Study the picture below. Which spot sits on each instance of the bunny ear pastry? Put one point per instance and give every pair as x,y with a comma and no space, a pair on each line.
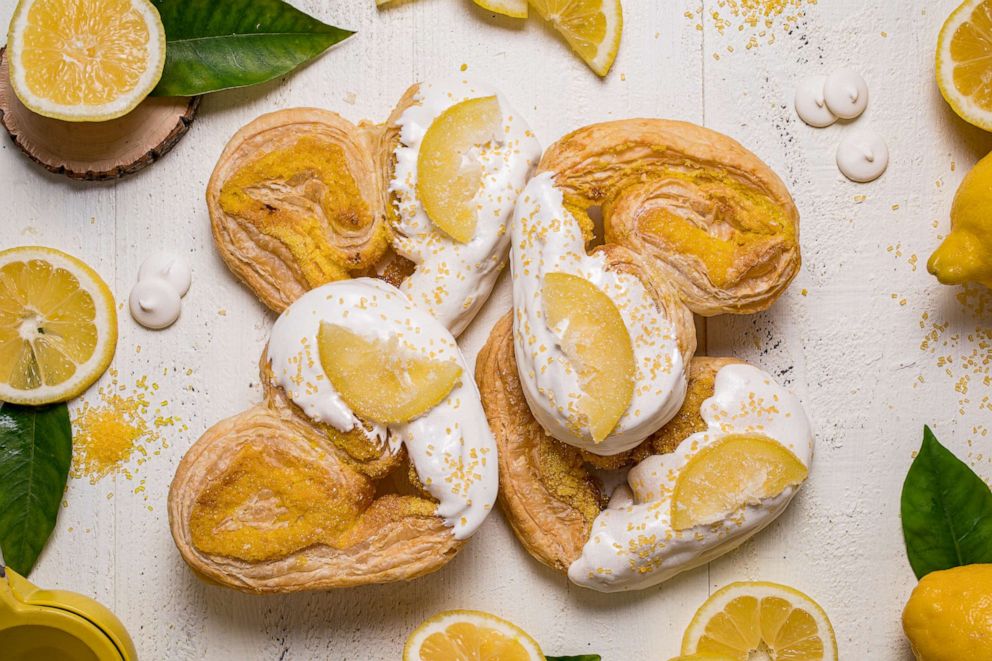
560,511
263,504
302,197
369,460
708,213
296,201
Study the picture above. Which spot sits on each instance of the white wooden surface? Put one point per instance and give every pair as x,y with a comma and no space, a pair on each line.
850,345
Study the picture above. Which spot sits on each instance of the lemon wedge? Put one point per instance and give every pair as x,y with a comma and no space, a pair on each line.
464,635
512,8
85,60
735,471
595,339
591,27
964,62
449,176
751,620
58,326
380,380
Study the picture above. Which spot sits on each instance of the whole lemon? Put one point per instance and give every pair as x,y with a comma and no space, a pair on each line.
949,615
966,253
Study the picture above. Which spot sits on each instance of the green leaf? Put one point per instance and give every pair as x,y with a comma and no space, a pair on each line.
35,453
219,44
580,657
946,511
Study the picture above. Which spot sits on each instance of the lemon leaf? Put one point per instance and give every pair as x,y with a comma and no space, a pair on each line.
580,657
946,511
212,45
35,453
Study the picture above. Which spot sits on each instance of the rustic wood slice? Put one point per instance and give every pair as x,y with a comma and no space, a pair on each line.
96,151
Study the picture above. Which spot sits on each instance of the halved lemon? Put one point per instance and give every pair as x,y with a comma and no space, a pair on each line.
381,380
591,27
513,8
736,470
596,341
750,620
449,172
964,62
58,326
464,635
85,60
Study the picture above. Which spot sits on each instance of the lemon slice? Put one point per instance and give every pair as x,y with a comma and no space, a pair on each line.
449,176
751,620
595,339
964,62
85,60
513,8
380,380
591,27
737,470
464,635
58,326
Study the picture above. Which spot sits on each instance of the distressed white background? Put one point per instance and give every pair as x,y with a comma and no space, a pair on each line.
850,345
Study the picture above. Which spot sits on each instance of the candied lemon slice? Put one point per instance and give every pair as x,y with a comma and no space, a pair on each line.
735,471
449,174
591,27
751,620
595,339
512,8
464,635
58,326
85,60
380,380
964,62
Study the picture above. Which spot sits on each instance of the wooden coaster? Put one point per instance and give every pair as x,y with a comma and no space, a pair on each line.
96,151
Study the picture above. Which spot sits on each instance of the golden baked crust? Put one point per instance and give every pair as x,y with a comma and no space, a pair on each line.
548,491
300,197
709,214
376,523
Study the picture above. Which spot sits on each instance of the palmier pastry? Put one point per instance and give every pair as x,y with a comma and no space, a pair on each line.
303,197
602,344
370,459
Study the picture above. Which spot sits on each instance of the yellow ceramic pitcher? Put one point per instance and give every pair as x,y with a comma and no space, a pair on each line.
57,626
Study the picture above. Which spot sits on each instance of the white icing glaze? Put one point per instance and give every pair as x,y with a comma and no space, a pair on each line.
163,279
546,238
451,446
632,544
862,156
452,280
170,267
810,104
845,93
154,303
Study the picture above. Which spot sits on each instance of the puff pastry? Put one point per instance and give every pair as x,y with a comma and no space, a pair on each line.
302,197
708,213
559,509
299,493
692,222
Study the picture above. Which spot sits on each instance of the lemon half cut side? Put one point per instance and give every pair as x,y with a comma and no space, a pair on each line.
85,60
58,326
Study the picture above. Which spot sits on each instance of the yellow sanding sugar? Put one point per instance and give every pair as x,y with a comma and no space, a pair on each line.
963,349
757,18
124,425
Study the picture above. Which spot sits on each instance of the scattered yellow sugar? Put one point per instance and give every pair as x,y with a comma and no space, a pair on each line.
758,20
464,67
121,426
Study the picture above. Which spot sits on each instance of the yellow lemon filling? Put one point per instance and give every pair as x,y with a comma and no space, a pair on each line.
268,504
299,196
